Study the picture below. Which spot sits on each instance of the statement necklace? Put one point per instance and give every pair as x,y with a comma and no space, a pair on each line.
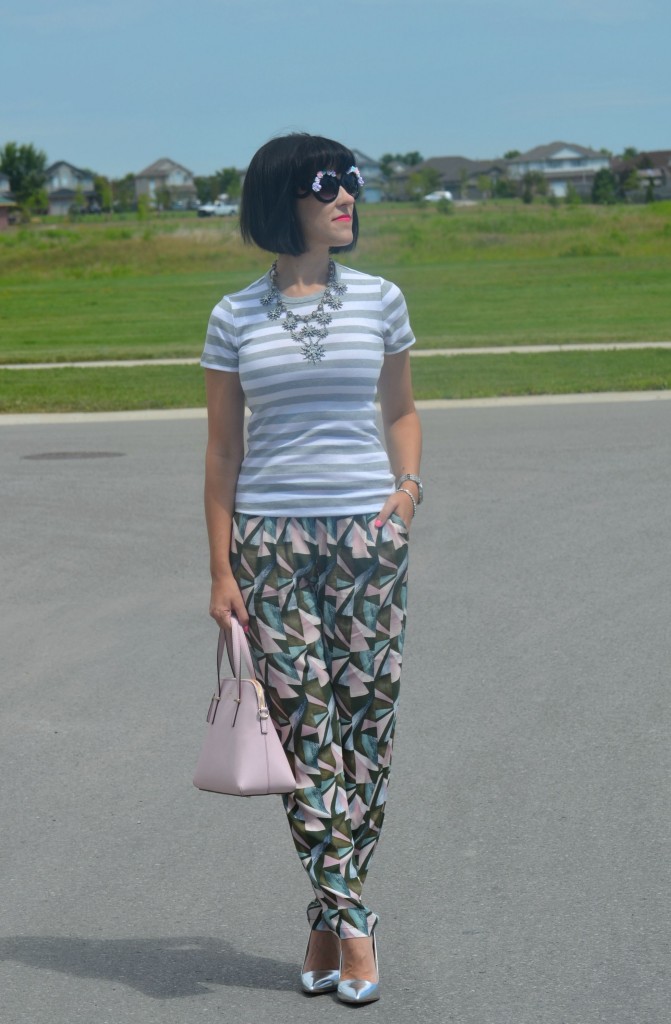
307,331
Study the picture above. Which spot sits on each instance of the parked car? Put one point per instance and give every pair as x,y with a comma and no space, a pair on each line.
217,209
435,197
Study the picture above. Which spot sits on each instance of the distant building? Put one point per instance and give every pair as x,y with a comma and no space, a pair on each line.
371,172
460,175
66,184
7,209
561,164
651,167
166,175
5,190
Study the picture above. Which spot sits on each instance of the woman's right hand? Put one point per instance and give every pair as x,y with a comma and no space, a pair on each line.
226,600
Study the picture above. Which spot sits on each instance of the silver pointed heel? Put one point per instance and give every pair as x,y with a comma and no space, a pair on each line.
314,983
357,991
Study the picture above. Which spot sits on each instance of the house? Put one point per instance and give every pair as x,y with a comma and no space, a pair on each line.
462,176
66,185
652,167
371,172
7,210
166,181
561,164
458,174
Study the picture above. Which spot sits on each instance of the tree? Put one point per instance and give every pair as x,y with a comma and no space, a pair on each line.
630,182
25,167
103,188
484,184
388,160
205,188
505,188
423,181
123,190
142,207
228,182
163,197
533,184
511,154
387,165
572,197
78,206
604,187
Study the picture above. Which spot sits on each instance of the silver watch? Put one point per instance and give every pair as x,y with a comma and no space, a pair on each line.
415,480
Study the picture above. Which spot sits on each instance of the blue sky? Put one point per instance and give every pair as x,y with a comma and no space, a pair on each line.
113,86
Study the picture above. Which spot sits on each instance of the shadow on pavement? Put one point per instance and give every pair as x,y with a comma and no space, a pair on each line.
168,968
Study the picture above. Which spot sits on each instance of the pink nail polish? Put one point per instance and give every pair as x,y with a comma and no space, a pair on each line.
378,523
245,629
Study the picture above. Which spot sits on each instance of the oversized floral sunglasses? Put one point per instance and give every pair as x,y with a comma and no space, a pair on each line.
327,184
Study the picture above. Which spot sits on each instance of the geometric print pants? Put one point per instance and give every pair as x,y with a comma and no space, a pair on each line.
326,598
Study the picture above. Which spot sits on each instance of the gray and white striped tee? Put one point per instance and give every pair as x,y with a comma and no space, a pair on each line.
313,447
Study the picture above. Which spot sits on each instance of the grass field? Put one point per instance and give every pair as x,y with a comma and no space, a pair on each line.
495,274
66,389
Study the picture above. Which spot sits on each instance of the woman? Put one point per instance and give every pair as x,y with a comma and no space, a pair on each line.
309,530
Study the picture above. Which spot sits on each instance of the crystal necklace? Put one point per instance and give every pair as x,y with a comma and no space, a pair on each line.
307,331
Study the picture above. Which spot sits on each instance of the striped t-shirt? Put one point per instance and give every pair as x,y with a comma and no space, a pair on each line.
313,447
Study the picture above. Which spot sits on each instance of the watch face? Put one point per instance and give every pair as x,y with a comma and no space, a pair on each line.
415,480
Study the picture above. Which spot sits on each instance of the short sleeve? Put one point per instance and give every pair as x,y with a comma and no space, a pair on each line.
221,343
397,331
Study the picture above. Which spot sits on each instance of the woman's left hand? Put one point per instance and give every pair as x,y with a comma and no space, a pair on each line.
400,503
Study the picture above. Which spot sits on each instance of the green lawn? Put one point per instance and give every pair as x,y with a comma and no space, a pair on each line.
496,274
169,387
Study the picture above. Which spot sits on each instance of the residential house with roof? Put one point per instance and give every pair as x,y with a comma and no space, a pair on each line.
561,164
7,210
458,174
371,172
66,185
652,167
166,176
462,176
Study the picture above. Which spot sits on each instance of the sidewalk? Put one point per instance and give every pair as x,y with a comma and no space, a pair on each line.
616,346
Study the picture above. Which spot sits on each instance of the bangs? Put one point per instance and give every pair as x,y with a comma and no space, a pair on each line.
319,154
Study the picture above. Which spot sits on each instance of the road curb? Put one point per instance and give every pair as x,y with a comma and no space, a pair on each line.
455,404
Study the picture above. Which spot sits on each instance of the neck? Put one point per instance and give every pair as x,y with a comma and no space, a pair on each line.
304,274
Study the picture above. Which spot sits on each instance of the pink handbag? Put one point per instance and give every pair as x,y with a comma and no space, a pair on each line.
241,754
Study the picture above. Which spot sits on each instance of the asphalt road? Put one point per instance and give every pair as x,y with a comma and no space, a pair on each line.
523,877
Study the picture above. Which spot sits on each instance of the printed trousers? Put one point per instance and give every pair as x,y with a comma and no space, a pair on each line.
326,598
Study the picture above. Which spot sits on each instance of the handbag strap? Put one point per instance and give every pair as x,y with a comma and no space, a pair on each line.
239,654
237,649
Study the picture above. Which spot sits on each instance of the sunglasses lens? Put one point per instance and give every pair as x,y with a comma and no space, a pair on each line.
329,188
350,183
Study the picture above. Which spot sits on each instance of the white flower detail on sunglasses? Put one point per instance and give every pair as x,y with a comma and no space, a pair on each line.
317,183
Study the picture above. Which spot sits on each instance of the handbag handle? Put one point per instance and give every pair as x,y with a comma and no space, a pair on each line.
237,649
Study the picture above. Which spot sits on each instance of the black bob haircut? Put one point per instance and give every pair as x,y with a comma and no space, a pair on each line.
279,175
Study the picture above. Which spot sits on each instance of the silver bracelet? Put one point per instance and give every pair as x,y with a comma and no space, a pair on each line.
412,499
